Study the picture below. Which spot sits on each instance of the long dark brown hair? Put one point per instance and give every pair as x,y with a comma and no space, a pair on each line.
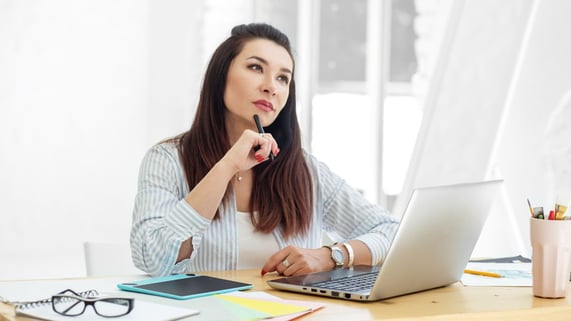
282,191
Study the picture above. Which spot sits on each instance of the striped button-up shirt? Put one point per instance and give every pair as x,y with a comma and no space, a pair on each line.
162,219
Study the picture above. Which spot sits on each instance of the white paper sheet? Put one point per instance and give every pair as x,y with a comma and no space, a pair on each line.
513,274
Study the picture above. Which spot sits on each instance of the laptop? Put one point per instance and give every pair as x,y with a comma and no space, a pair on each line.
434,241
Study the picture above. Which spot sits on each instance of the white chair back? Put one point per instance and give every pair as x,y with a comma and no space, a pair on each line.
108,259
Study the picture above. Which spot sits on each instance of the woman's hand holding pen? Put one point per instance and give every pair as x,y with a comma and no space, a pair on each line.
250,149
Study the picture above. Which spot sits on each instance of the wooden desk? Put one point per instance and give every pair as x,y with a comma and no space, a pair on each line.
498,303
474,303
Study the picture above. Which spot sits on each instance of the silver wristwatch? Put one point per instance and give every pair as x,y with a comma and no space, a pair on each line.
336,255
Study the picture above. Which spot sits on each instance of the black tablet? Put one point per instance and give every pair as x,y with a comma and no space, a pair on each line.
184,286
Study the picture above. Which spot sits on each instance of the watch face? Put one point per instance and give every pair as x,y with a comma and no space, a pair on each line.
337,256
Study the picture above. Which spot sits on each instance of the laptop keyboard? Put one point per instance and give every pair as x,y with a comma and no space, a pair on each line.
355,283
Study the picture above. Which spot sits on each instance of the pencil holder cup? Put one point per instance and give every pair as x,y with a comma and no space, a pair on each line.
551,257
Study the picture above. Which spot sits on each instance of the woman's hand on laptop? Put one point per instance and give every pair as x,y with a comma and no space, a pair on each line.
295,261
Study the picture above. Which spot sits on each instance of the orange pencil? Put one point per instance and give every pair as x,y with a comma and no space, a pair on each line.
483,273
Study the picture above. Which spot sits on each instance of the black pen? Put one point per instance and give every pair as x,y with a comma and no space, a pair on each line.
261,131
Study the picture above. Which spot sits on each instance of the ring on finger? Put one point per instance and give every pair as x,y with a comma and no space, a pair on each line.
286,263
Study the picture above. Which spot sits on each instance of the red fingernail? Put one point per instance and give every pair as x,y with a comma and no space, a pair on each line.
263,273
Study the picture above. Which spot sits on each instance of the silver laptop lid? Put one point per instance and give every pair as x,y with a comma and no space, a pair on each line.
437,234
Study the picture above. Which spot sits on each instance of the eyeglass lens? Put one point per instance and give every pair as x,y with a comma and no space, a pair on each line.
105,307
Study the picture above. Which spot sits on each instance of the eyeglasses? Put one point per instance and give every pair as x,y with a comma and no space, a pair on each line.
70,303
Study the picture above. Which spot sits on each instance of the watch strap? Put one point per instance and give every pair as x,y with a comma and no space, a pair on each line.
350,252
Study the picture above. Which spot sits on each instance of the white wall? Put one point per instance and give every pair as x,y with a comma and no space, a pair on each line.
71,120
174,65
541,81
85,88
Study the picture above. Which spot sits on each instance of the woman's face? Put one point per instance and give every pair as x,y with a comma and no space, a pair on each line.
257,83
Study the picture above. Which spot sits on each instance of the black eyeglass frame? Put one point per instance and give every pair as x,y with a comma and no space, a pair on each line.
72,295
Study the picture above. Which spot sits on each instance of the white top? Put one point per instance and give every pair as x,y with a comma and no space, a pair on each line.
254,248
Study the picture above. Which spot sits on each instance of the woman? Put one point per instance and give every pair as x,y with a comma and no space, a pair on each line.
212,198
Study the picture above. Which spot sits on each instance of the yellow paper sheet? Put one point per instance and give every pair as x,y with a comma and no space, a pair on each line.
272,308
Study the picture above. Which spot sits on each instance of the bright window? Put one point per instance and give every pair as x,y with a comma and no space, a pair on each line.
341,123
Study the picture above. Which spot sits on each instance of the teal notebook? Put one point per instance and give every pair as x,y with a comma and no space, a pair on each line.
184,286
